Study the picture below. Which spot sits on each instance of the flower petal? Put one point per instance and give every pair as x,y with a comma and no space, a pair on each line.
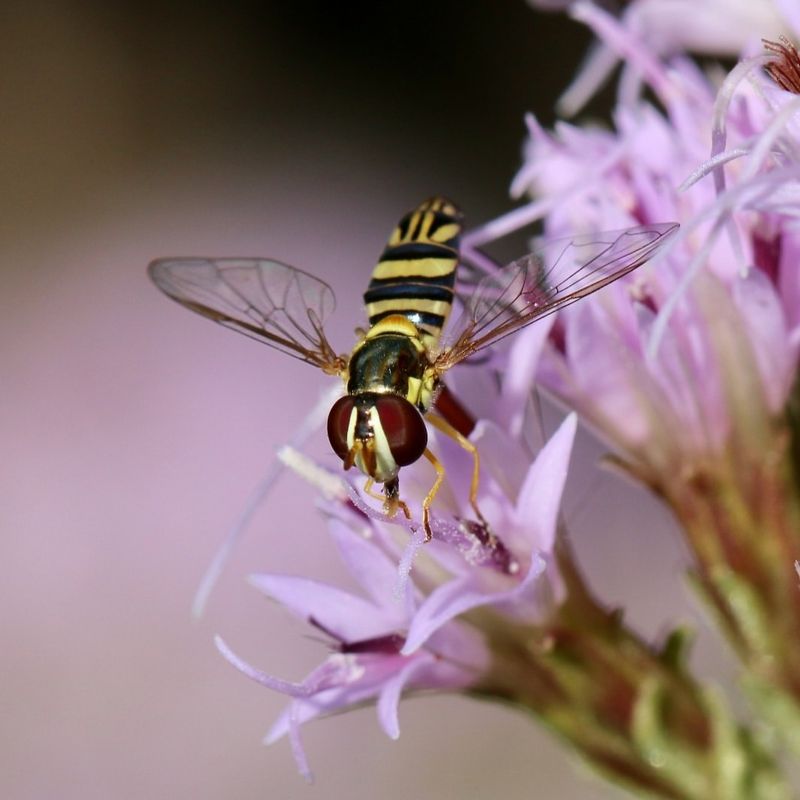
523,359
463,594
443,604
763,316
367,563
791,13
540,497
391,692
336,670
344,615
502,457
298,751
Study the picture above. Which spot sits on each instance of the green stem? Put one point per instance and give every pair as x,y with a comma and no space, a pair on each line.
634,712
741,518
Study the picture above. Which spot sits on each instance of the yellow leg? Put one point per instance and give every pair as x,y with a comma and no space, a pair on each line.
390,502
426,503
368,490
446,428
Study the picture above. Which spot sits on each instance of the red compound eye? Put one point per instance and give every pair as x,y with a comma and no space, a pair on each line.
403,427
338,423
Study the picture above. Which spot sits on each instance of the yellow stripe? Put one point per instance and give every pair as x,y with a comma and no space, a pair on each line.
446,232
424,267
447,208
396,323
404,305
424,234
440,204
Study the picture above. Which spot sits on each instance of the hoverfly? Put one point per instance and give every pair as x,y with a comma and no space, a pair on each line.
393,373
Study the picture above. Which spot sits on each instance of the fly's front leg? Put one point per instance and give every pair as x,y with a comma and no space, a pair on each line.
391,499
446,428
370,482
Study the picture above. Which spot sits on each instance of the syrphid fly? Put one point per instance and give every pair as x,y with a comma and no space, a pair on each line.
392,375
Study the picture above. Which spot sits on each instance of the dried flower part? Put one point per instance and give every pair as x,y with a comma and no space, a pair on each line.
785,70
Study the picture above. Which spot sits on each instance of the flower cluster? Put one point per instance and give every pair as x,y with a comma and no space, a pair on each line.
402,635
679,371
687,368
718,27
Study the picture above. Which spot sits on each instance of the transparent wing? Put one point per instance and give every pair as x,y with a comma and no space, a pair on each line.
266,300
541,283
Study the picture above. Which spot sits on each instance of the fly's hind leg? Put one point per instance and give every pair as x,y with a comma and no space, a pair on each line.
446,428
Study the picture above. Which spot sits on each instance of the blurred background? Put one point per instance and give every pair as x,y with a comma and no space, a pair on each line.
133,432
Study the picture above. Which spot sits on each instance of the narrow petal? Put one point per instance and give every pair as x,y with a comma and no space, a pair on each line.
442,605
540,498
297,745
362,685
329,673
592,74
285,687
601,377
461,595
390,695
522,364
760,307
502,457
623,44
343,614
367,563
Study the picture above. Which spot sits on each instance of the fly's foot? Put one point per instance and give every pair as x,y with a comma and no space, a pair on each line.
392,501
426,523
391,505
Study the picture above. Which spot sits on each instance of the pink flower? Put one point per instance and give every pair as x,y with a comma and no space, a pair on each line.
717,27
367,633
685,366
688,366
398,637
662,369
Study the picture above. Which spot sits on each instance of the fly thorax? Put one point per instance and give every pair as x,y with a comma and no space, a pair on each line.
388,363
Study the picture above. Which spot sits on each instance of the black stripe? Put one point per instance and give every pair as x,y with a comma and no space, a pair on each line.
402,226
417,317
448,281
407,291
416,250
418,227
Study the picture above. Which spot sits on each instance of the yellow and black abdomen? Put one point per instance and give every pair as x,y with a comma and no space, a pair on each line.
416,273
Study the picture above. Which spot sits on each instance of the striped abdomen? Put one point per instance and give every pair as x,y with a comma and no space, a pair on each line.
416,273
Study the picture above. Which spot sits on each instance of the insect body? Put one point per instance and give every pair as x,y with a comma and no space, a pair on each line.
393,373
391,380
